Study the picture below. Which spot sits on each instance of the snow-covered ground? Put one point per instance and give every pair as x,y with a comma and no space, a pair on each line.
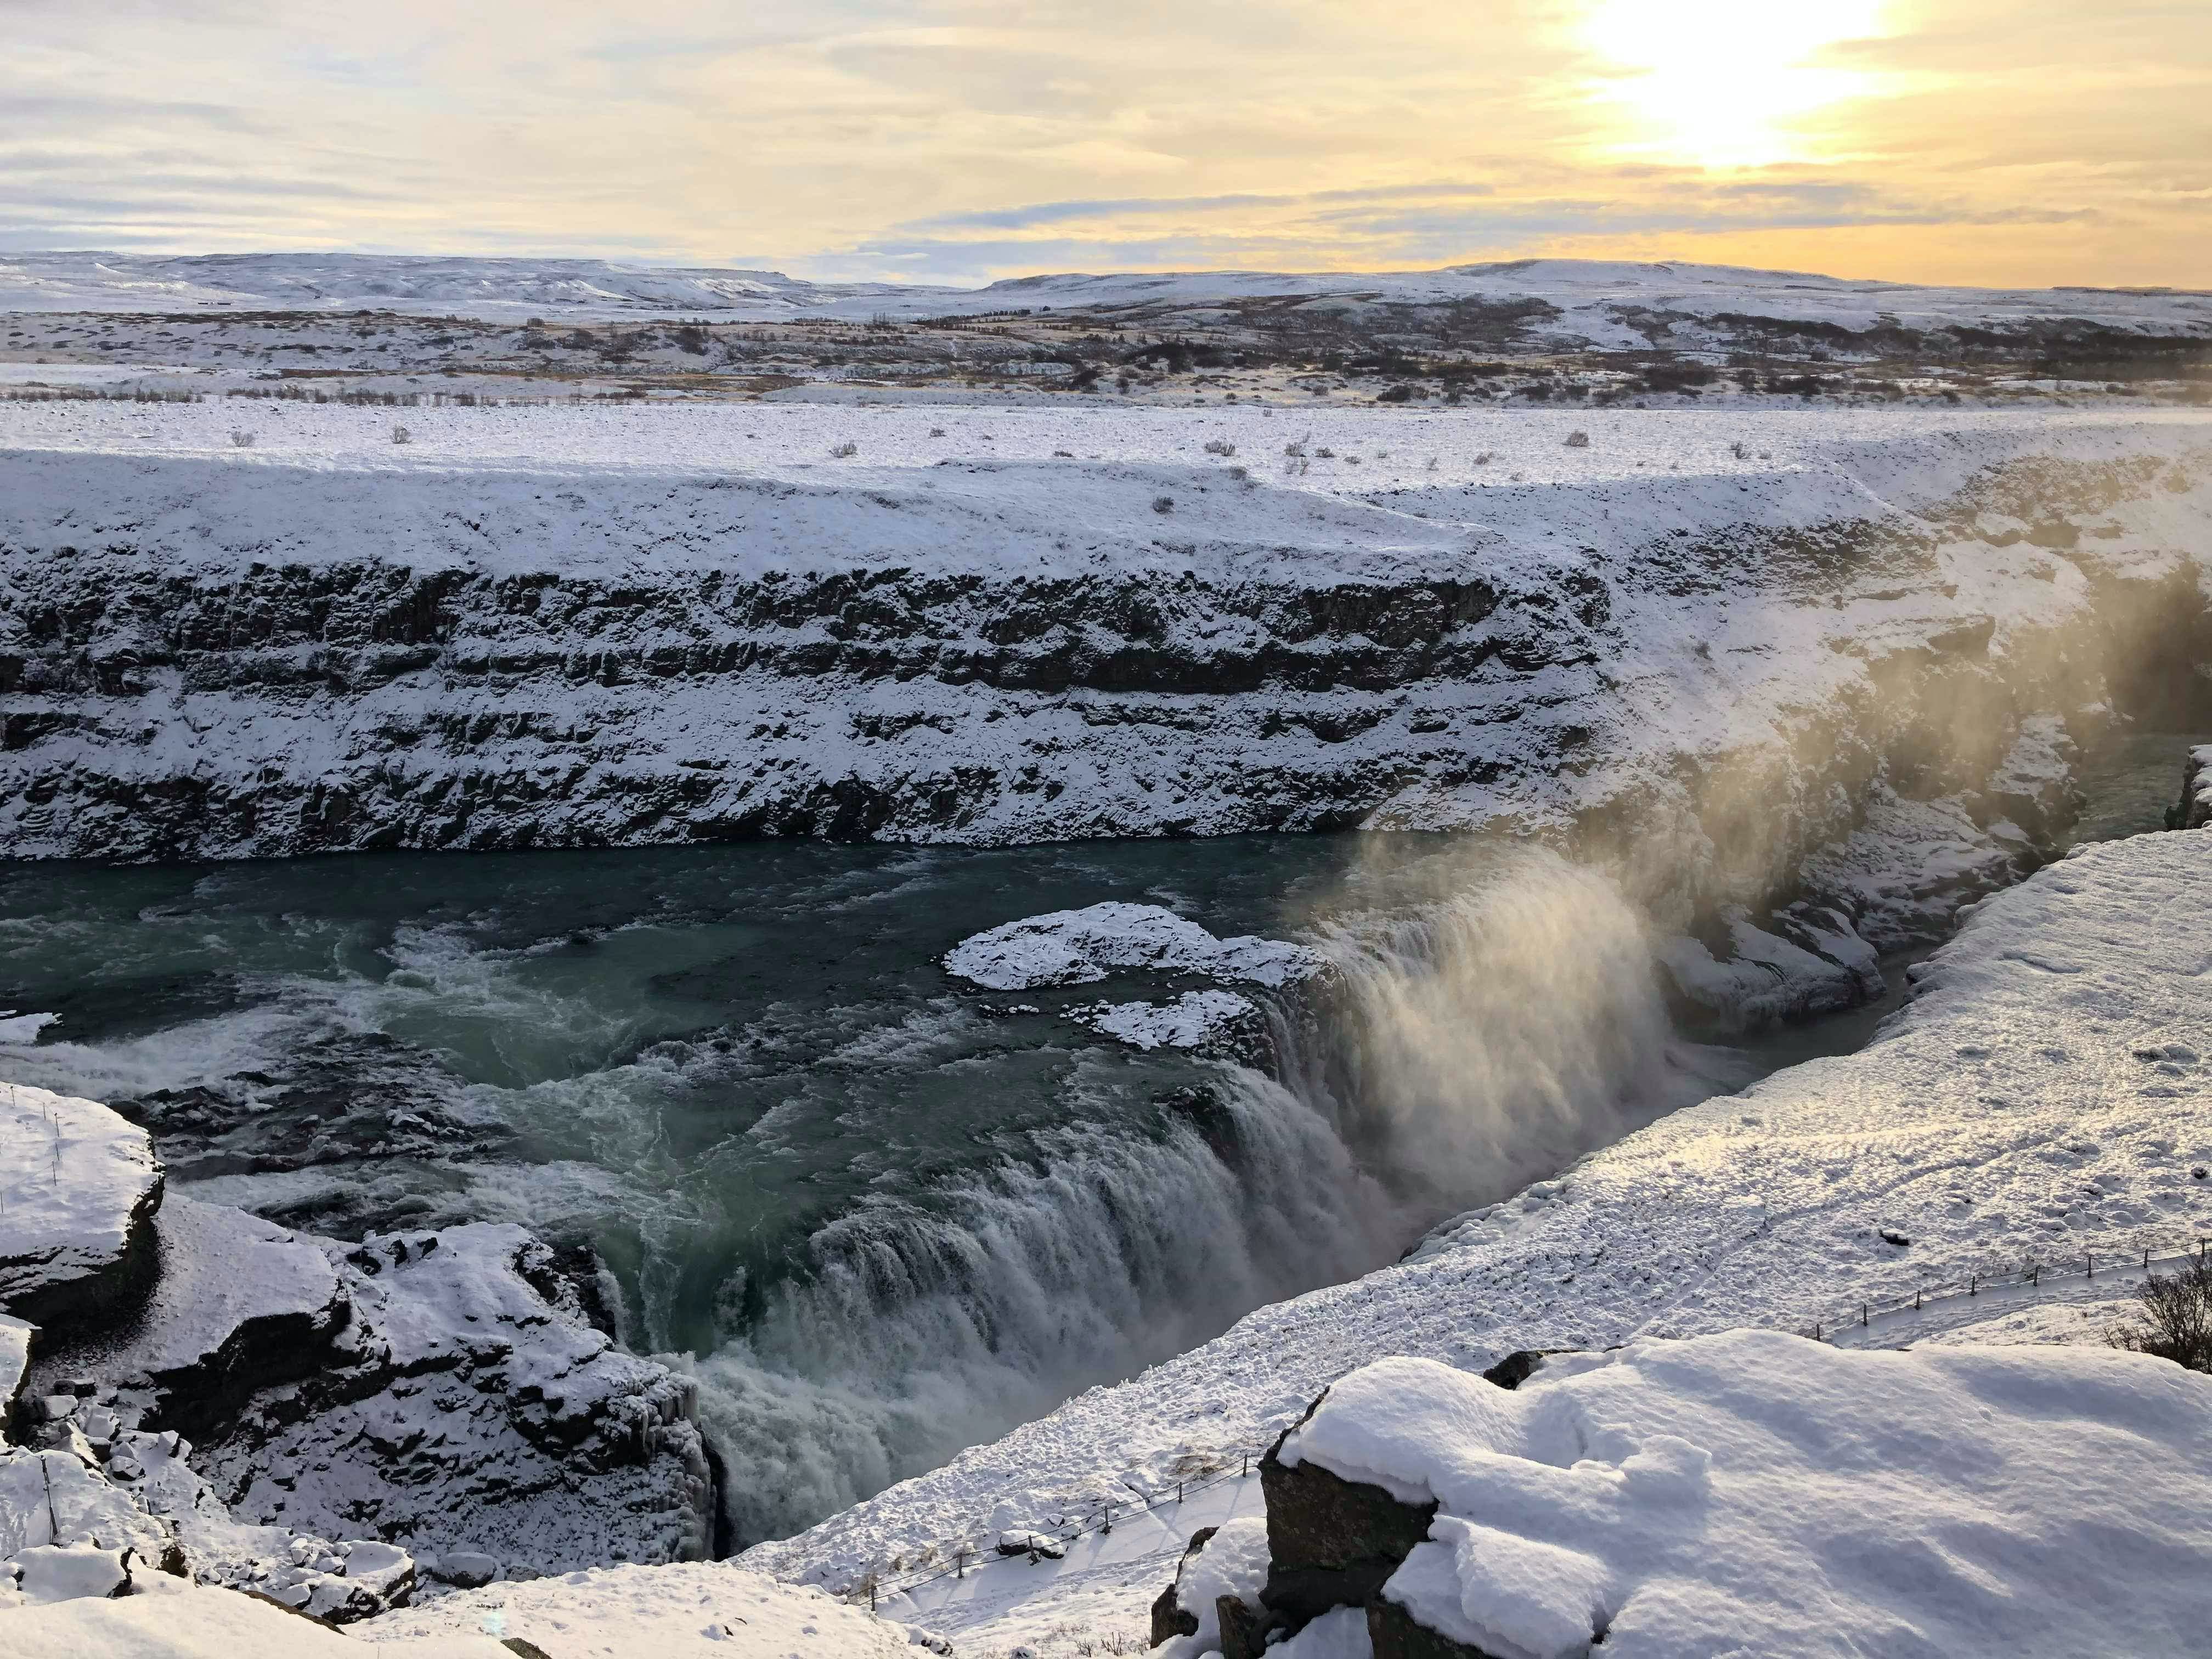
2044,1095
1513,463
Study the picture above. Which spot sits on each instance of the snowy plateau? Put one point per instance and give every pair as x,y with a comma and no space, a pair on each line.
1774,622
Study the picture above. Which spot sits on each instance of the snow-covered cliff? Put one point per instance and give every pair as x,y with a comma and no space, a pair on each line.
314,645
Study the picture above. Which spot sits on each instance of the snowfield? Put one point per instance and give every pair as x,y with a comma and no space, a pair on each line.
1759,1493
2044,1096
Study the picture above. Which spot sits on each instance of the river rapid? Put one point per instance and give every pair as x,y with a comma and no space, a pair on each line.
887,1213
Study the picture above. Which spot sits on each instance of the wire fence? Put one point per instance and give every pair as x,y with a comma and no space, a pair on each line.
2084,1268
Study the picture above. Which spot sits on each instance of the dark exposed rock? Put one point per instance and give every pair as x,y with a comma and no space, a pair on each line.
1243,1632
240,1305
1515,1369
1330,1542
1394,1634
1170,1619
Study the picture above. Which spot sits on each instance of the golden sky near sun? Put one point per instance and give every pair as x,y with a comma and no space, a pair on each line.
1943,140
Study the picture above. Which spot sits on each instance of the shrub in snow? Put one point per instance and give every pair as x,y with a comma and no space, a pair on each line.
840,451
240,437
400,434
2177,1318
1219,446
1162,503
1578,441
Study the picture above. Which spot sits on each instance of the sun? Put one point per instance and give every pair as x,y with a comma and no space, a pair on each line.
1725,83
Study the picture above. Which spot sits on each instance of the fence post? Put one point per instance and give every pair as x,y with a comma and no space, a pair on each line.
1974,1285
2092,1260
2146,1260
1178,1494
871,1595
1109,1526
1247,1467
1862,1316
2035,1274
1816,1330
1916,1299
960,1561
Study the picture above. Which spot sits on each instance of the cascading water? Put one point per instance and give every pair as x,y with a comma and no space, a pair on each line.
913,1332
1501,1017
890,1215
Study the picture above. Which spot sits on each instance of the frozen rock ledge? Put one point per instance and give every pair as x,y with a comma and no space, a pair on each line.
1077,947
344,1409
78,1190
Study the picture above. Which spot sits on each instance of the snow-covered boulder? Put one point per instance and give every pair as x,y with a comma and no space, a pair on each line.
2194,810
66,1531
1214,1598
710,1609
15,1369
241,1305
79,1188
1756,1493
1076,947
468,1405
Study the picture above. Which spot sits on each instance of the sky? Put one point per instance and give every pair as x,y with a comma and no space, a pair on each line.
2013,143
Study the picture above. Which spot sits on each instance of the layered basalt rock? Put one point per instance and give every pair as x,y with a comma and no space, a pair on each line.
218,661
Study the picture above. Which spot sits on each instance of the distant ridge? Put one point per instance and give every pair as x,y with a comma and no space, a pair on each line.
1593,302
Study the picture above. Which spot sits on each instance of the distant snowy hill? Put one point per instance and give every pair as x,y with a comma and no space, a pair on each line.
1579,302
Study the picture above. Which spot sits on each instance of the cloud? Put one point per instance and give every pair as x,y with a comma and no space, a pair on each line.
957,140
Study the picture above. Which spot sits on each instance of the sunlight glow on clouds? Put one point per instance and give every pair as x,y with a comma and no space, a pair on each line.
1998,141
1718,82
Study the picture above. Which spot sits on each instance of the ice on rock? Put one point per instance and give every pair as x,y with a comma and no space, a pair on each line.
1075,947
79,1187
1196,1020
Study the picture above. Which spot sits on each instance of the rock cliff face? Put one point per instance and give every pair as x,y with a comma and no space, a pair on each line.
445,1391
209,656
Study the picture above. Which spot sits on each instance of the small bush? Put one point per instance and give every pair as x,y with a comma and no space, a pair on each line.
937,432
1162,503
1063,454
240,439
1294,450
1484,458
400,434
2177,1318
1219,446
1324,454
1740,450
844,451
1578,441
